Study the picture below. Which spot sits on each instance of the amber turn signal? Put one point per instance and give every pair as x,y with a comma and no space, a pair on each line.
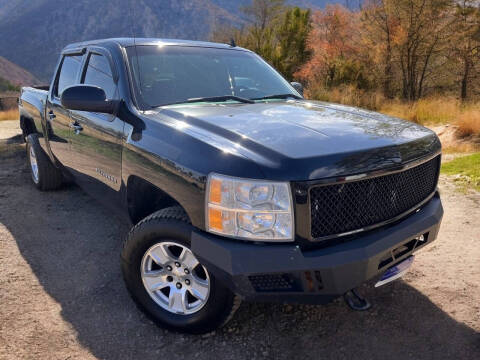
215,219
215,191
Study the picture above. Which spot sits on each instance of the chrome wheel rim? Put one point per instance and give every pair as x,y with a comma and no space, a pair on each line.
33,164
174,278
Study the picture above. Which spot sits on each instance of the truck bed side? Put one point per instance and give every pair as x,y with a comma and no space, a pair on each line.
31,106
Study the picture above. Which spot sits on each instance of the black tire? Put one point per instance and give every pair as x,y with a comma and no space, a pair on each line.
48,176
172,225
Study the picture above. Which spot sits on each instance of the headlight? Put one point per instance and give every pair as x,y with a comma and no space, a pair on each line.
249,209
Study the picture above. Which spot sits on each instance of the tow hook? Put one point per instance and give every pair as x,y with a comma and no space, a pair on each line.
355,301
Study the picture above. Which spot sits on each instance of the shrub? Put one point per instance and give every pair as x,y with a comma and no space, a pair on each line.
469,123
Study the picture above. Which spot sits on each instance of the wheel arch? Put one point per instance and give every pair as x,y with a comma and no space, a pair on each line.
144,198
27,125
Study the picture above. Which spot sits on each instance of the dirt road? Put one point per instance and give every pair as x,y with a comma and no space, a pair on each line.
62,295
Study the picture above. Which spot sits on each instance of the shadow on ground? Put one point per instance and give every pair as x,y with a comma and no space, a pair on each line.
72,245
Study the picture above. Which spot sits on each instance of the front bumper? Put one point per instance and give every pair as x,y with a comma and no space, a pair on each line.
285,273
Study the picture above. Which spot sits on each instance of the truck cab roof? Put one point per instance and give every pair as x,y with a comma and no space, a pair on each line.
130,41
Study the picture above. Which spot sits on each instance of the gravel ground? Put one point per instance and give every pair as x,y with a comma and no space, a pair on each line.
9,129
62,294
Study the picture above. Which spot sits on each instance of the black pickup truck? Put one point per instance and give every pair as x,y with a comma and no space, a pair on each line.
237,187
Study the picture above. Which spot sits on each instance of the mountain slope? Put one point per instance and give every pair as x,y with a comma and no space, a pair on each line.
235,5
34,32
16,75
34,36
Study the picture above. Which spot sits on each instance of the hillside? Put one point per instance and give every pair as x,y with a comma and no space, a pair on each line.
48,25
34,32
15,75
6,87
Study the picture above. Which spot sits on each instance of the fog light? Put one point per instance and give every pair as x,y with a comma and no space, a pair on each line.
420,238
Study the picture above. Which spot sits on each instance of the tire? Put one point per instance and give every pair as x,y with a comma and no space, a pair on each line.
45,175
162,228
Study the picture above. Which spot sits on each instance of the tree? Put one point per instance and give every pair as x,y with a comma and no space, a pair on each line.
276,32
334,44
465,44
421,37
291,35
379,28
263,12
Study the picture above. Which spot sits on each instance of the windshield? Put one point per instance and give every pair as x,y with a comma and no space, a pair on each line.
174,74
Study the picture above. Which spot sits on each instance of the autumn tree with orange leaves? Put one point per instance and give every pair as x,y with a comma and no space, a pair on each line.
336,52
395,45
403,49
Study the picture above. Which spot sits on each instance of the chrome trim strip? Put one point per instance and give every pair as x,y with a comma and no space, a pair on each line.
368,175
240,210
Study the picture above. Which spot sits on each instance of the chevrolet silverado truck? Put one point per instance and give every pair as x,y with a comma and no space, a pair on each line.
236,186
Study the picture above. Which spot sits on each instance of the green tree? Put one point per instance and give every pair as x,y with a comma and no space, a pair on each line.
292,35
276,32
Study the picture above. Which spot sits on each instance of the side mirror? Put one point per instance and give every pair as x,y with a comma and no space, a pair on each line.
297,86
87,98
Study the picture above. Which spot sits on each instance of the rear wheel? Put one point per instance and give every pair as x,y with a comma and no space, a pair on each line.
45,175
168,282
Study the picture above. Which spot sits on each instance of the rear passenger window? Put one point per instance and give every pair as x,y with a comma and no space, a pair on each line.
68,73
98,73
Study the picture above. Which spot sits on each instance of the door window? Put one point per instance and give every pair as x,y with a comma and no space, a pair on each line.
68,73
99,73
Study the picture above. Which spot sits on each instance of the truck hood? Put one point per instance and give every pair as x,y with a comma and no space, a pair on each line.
304,140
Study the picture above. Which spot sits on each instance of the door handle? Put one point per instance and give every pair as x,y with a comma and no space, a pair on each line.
51,115
76,127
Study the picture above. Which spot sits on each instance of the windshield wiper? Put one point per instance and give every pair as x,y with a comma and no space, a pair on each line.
221,98
278,96
212,99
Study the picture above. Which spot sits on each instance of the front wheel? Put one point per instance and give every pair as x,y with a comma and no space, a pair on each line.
167,281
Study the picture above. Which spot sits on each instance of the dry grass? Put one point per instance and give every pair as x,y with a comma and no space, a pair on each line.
11,114
437,111
469,123
460,148
430,111
348,95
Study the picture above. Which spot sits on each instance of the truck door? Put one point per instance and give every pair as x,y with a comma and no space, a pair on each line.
58,124
96,141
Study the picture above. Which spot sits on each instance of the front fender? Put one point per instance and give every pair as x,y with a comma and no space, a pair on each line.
178,164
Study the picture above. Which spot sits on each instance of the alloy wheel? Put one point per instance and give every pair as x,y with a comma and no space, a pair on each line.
174,278
33,164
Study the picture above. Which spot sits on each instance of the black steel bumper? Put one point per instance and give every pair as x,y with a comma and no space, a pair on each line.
283,272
